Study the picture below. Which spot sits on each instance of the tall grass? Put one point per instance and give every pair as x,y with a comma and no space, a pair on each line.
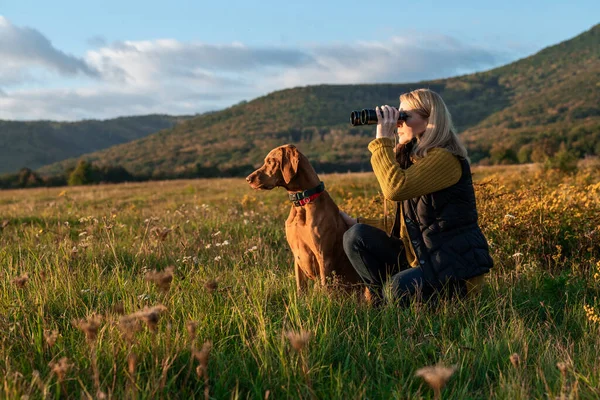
185,289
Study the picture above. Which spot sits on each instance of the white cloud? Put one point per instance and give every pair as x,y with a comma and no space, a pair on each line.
169,76
22,48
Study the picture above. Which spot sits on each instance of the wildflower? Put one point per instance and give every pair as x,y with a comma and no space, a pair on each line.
217,258
517,255
591,314
225,243
161,279
208,246
436,377
89,326
252,249
21,281
298,340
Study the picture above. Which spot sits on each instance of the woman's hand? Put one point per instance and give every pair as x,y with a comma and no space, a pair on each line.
387,121
347,219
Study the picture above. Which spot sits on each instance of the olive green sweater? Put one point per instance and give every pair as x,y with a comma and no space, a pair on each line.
438,170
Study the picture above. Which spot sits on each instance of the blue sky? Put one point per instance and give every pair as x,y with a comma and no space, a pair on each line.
71,60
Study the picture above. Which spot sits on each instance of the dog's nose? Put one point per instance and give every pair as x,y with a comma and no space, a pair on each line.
249,178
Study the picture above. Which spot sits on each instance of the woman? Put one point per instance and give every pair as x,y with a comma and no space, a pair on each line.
435,241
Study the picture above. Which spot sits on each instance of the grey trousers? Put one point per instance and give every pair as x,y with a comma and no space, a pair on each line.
377,257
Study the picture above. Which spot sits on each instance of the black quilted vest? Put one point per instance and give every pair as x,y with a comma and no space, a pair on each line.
444,232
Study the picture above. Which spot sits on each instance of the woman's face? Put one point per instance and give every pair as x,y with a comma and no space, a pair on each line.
414,126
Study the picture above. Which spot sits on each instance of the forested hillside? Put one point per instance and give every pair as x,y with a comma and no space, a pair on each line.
33,144
520,112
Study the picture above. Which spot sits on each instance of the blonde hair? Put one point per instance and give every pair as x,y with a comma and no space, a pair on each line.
440,131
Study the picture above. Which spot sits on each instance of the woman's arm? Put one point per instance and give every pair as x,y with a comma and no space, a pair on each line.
436,171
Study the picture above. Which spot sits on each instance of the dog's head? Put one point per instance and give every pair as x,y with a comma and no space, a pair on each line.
279,168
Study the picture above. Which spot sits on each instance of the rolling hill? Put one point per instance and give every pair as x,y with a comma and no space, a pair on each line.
516,113
33,144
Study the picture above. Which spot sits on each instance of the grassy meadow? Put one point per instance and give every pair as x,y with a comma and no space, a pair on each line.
185,289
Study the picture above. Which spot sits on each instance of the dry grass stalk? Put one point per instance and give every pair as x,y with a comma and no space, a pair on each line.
50,337
37,381
131,367
89,326
21,281
515,360
299,342
436,377
162,279
202,370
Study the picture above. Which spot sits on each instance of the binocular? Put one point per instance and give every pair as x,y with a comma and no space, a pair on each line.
369,117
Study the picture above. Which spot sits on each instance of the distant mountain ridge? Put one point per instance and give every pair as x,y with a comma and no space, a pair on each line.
520,112
33,144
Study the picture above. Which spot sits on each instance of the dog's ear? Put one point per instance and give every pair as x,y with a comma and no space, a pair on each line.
289,162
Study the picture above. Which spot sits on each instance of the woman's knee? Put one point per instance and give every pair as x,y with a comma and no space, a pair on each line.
407,283
352,237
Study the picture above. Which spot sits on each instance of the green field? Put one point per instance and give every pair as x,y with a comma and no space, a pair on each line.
75,297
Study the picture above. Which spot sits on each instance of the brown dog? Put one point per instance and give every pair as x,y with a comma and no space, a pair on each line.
314,228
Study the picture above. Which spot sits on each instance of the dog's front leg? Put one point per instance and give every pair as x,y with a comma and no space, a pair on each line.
301,279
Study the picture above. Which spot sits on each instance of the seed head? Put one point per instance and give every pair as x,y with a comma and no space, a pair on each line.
162,279
161,234
298,340
89,326
436,377
118,308
562,367
191,329
150,316
21,281
60,368
515,360
129,325
50,337
211,285
202,356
